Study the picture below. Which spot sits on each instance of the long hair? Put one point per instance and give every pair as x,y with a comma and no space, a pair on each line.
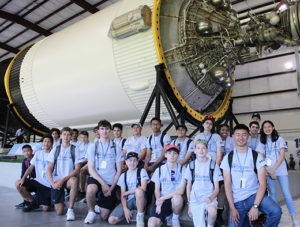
263,136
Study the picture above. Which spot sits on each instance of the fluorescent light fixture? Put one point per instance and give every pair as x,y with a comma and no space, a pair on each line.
289,65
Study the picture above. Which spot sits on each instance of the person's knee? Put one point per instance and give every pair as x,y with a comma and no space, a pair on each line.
73,182
91,190
276,211
212,211
104,215
177,200
153,222
139,193
59,209
18,186
113,220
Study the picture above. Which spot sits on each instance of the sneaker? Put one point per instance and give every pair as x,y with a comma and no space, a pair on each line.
296,223
140,220
70,215
90,218
29,206
169,220
175,222
97,209
21,205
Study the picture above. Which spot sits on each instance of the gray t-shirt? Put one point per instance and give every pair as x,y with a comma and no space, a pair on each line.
253,142
119,143
227,145
82,150
64,163
242,167
39,161
135,145
105,158
156,146
184,147
271,150
167,185
202,186
132,180
213,140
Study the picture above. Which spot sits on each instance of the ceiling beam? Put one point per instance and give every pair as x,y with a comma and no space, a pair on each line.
24,22
85,5
4,46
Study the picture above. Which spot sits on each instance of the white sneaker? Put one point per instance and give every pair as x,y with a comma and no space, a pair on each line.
70,215
296,223
90,218
97,209
140,220
175,222
169,220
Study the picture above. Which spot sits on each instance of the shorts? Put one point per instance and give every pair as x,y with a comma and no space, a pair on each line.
58,195
43,194
118,212
166,210
102,201
30,185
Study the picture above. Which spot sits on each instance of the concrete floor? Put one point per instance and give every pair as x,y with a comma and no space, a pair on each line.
11,217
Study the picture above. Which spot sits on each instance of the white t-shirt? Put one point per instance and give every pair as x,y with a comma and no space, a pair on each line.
271,150
167,185
213,142
242,167
183,147
75,143
132,180
119,143
64,165
227,145
135,145
105,159
82,150
156,146
253,142
40,163
202,186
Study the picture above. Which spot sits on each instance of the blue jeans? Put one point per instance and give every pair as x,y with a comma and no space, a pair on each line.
267,206
285,189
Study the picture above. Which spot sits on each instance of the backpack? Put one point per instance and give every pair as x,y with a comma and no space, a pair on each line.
161,139
187,144
123,142
212,166
57,151
138,173
254,155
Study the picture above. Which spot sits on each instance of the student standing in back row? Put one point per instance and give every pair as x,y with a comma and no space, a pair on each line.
254,138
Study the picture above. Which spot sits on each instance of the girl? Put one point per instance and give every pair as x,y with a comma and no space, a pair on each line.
272,146
227,141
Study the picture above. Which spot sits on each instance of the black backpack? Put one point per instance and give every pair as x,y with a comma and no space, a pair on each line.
161,139
212,166
138,173
254,155
123,142
57,151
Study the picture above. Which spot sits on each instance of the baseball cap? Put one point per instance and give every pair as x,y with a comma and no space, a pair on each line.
256,115
136,123
132,154
172,148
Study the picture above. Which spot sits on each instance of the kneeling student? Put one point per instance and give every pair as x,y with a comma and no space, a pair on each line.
203,176
133,185
167,179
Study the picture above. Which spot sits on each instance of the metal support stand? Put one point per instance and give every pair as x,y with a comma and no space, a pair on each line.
6,126
229,117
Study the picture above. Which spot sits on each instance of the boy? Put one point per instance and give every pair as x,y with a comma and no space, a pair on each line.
167,179
104,164
41,183
186,145
203,176
96,133
55,133
118,140
256,117
82,150
254,138
245,183
63,167
27,186
74,134
133,185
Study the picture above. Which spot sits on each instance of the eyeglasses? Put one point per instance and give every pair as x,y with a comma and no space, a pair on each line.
172,175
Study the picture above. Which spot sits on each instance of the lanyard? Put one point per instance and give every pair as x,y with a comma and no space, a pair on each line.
115,140
242,168
155,145
207,141
44,165
104,153
27,163
173,182
267,148
180,145
253,148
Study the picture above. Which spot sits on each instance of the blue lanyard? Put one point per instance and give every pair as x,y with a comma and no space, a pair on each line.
104,153
269,151
119,142
44,165
155,145
207,141
173,182
242,168
181,144
253,148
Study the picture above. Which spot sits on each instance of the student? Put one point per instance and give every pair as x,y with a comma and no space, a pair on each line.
82,150
63,167
186,145
133,185
202,186
136,143
272,147
55,133
104,163
256,117
156,145
227,141
96,133
20,135
254,135
167,179
41,183
245,184
118,140
26,186
213,139
74,136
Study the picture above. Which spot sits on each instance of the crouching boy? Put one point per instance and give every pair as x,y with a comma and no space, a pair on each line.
133,185
167,179
203,176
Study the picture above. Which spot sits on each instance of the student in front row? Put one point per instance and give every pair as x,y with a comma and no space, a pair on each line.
63,167
203,176
104,163
133,185
245,184
167,179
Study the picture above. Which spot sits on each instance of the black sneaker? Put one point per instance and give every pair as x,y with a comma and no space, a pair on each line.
30,206
20,205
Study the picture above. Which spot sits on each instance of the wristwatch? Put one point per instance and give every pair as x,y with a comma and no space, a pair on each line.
255,205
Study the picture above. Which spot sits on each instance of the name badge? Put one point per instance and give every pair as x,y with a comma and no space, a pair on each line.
103,165
243,182
268,162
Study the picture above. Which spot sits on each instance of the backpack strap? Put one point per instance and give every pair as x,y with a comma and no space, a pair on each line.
230,157
72,149
254,156
188,144
192,168
123,142
138,176
125,181
162,139
159,173
150,139
56,154
212,166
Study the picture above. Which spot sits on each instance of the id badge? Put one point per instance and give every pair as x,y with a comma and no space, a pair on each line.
103,165
269,162
243,182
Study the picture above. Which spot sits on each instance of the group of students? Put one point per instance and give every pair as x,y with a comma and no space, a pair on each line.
239,167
